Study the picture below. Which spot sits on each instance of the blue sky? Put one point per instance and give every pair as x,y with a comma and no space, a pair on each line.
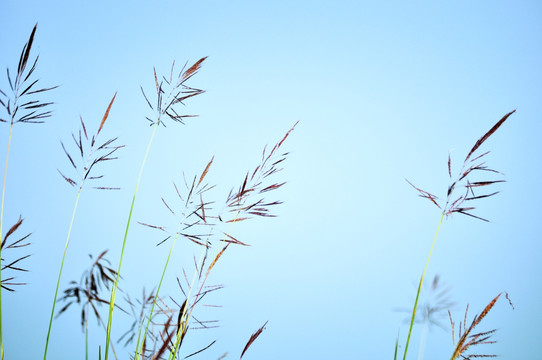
383,91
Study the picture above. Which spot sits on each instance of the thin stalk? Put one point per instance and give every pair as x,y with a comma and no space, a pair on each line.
61,267
86,328
396,347
420,285
86,337
1,235
137,354
86,333
184,318
103,325
138,351
115,286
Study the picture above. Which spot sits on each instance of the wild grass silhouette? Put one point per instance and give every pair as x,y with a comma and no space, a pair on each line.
203,219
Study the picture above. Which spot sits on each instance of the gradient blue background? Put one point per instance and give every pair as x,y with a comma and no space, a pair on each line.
383,91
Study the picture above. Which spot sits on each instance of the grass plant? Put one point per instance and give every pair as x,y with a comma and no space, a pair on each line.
22,106
91,155
473,164
87,294
167,104
197,223
161,323
467,338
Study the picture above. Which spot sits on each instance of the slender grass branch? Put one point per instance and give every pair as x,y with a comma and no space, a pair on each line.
420,285
28,112
61,267
115,285
1,234
89,163
139,352
186,314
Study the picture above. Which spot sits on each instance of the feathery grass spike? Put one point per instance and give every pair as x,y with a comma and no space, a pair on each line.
19,109
205,171
7,283
105,116
90,156
165,106
253,337
488,134
454,206
466,337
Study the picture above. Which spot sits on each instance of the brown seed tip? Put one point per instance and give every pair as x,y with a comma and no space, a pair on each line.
106,114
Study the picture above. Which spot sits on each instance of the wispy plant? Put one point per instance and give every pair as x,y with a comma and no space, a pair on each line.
8,283
467,337
166,323
138,309
85,159
21,106
87,293
170,95
191,218
198,222
249,199
462,203
242,204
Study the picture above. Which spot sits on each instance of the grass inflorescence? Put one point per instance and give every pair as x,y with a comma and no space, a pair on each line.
23,106
461,203
204,220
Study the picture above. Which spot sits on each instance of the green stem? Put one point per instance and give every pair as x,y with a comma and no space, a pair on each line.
115,286
140,351
186,314
1,235
420,285
61,267
396,347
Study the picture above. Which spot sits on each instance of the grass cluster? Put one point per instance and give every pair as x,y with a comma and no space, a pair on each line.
160,324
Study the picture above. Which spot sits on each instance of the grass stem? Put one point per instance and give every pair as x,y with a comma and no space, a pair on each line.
115,286
1,235
420,285
139,352
61,267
